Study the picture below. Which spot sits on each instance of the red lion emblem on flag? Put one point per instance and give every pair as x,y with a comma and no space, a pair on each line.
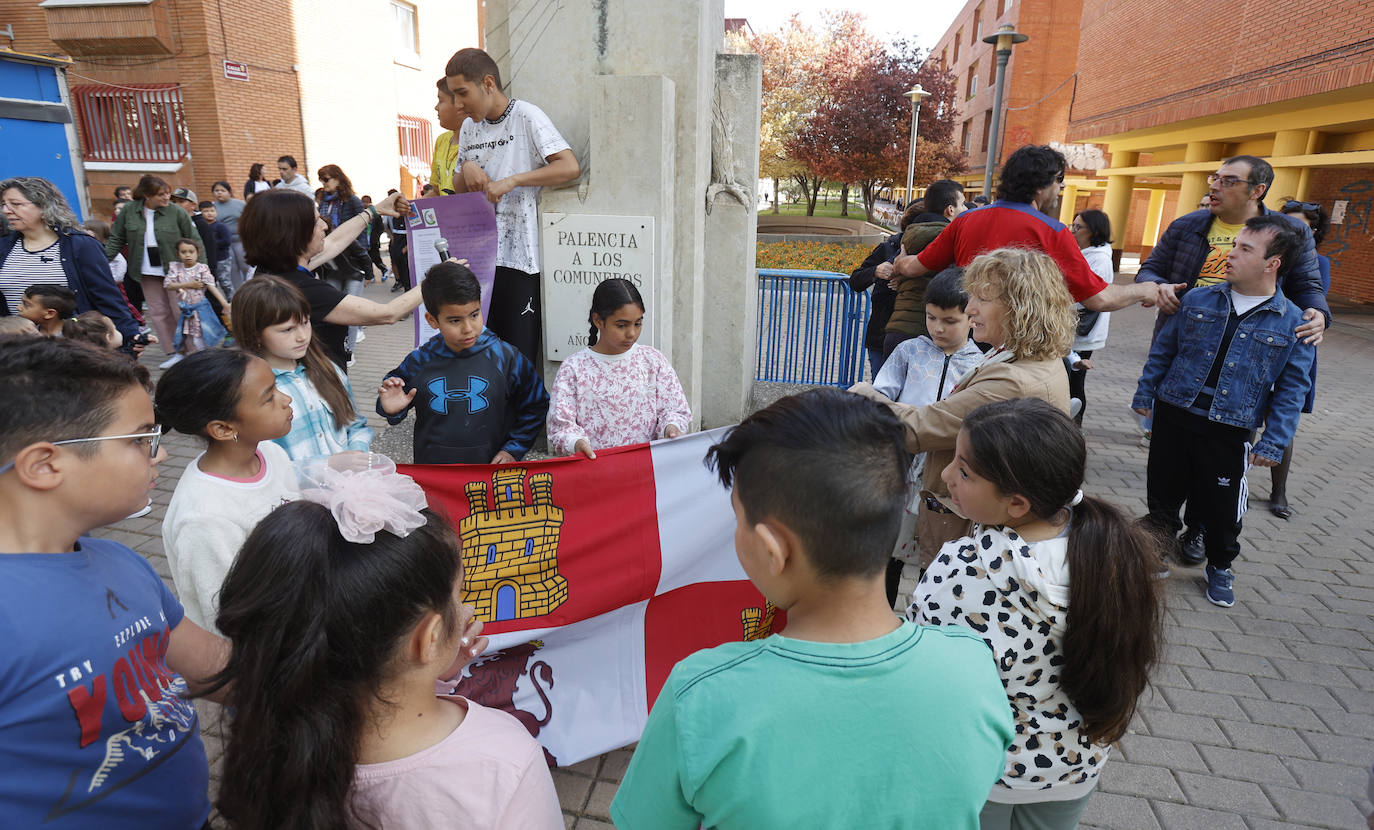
493,678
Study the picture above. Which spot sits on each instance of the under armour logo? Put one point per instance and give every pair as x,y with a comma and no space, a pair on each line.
473,395
529,308
1222,481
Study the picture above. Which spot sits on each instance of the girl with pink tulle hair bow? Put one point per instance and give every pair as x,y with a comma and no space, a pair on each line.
348,630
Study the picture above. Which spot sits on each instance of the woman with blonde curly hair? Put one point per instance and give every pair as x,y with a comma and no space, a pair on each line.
1019,306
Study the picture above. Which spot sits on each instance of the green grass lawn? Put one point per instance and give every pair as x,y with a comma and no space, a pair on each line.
856,211
832,210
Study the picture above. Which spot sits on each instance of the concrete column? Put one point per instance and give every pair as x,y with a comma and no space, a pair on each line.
1067,200
731,291
1194,185
551,55
1153,214
1117,203
1314,142
1286,143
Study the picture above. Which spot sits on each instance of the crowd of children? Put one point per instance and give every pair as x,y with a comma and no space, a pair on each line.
1031,634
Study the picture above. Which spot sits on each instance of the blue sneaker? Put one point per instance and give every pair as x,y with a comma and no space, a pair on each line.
1219,586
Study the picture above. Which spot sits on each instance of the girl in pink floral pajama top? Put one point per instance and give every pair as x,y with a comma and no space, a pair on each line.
616,391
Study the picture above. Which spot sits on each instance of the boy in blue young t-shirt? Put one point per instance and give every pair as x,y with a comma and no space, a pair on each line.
480,401
95,728
906,726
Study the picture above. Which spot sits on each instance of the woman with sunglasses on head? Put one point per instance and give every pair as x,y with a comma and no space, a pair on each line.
1319,220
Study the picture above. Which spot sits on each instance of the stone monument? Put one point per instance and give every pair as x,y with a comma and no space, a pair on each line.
666,129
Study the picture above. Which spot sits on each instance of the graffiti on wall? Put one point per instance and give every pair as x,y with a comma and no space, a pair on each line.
1359,196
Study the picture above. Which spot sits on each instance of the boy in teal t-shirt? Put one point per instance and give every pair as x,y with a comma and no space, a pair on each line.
850,717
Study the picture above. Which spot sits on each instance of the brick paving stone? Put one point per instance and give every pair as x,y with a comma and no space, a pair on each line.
1305,694
1194,728
1119,812
594,824
1258,737
1125,778
1241,765
1355,700
1308,671
1181,817
1167,675
1337,779
1342,748
1162,752
1203,703
1249,644
572,789
1249,664
616,763
1224,682
1224,794
1317,809
599,804
1280,714
1178,654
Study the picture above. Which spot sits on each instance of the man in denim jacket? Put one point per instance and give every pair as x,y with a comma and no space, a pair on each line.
1192,250
1227,362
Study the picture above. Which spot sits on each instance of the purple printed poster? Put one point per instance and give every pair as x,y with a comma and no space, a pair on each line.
461,226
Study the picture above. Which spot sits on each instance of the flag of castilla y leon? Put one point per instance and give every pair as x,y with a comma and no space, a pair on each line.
593,578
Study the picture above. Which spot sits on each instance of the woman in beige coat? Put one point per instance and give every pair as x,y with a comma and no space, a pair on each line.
1019,305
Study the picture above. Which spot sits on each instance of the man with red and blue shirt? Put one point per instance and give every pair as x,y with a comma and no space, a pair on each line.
1031,180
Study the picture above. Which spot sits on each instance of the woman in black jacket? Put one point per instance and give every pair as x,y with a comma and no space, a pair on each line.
352,269
44,237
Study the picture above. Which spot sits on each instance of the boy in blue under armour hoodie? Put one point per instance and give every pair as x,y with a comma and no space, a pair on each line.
480,401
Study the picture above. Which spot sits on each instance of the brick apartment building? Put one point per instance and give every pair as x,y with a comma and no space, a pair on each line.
1202,81
1039,86
198,90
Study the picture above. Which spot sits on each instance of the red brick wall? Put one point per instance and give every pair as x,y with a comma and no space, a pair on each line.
1350,245
1035,69
1153,62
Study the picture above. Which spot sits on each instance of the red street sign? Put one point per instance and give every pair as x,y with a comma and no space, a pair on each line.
235,71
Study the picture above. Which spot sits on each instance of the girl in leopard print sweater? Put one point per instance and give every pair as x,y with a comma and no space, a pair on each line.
1061,588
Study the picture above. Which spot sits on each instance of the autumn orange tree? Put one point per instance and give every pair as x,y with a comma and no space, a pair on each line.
834,109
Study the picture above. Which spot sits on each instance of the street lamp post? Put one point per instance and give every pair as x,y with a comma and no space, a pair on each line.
917,95
1004,38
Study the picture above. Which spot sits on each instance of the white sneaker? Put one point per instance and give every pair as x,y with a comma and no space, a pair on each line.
147,508
362,335
171,361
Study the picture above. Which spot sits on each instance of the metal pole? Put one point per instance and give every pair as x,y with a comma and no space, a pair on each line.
911,160
995,140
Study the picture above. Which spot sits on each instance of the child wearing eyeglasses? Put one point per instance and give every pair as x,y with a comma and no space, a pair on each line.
95,727
230,399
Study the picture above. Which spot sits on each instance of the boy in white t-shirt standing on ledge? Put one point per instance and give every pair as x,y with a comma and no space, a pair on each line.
509,149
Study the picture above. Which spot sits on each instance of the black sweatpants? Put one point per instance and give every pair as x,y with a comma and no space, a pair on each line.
400,259
515,314
1077,380
1203,463
374,246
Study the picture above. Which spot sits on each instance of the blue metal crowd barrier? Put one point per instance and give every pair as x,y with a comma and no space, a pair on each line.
811,328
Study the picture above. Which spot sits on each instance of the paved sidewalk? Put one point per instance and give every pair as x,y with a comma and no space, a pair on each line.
1260,717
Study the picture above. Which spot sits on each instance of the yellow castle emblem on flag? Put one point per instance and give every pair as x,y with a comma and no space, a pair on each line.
510,547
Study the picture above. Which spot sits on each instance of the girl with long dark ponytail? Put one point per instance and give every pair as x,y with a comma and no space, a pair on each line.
616,391
1062,588
338,638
